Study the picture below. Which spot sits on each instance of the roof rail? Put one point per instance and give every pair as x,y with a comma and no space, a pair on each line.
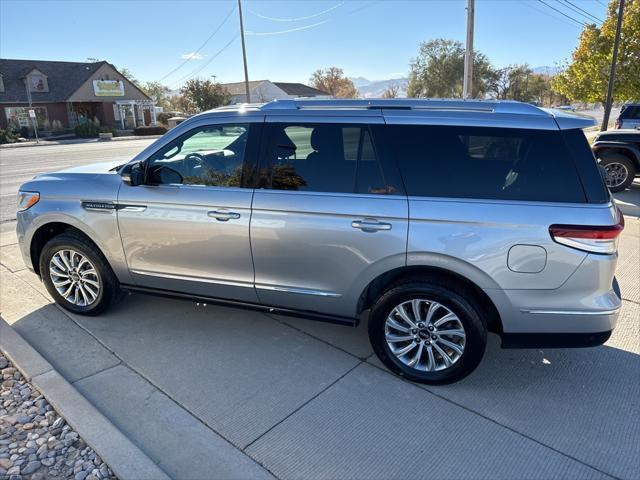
492,106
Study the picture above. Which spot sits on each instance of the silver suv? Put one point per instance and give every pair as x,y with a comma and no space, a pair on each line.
438,220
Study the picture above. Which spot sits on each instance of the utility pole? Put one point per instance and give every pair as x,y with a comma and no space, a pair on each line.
467,86
612,75
244,55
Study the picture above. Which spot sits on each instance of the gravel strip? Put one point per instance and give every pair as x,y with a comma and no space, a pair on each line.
35,442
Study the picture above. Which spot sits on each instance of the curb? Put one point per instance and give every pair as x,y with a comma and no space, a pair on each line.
75,141
124,458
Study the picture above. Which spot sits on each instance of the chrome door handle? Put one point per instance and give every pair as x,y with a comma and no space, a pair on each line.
223,216
369,225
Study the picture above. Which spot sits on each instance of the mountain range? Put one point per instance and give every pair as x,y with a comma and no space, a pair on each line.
376,88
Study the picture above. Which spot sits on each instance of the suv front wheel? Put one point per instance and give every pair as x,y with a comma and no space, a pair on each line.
77,275
427,332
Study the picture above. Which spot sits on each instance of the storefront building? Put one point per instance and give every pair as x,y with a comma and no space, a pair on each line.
65,94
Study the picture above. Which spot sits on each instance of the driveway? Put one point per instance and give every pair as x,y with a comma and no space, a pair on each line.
214,392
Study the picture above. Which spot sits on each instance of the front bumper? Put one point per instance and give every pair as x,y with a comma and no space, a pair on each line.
23,219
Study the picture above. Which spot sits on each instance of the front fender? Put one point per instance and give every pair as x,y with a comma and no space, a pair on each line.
100,226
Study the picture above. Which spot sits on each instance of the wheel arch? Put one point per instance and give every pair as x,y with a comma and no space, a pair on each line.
438,275
49,230
633,154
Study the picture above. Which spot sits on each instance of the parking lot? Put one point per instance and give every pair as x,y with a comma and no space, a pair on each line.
215,392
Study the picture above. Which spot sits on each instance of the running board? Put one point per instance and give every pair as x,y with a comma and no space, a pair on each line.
315,316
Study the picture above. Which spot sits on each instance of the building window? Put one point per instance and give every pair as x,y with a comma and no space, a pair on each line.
1,84
37,83
18,117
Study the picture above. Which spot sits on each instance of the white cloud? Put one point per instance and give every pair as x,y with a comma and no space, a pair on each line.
192,56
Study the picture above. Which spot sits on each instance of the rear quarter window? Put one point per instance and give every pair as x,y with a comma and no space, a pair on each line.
484,163
631,112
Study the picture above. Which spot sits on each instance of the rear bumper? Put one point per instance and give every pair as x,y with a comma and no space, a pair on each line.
552,327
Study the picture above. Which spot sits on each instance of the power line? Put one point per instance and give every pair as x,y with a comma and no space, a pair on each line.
199,69
201,46
297,19
289,30
313,25
582,12
562,13
547,13
603,4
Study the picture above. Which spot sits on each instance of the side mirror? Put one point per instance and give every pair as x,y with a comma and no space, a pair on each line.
133,174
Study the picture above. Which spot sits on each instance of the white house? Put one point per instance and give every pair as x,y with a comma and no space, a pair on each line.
264,91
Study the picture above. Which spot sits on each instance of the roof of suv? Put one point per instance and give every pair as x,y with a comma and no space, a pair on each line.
410,106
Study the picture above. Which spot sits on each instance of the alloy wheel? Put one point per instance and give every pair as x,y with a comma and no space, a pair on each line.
425,335
74,277
617,174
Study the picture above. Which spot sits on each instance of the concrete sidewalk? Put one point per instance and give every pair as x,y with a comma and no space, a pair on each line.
213,392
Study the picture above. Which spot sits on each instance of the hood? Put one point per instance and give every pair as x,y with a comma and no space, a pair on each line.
100,167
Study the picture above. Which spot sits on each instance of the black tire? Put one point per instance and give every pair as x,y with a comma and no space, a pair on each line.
109,289
611,159
457,302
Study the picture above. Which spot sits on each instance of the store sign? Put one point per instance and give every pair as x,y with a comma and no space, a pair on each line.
108,88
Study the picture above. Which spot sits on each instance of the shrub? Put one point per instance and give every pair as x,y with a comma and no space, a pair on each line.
87,130
7,136
56,126
157,130
108,129
164,117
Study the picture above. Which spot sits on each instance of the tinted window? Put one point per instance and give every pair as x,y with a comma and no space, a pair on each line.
322,158
631,112
211,155
485,163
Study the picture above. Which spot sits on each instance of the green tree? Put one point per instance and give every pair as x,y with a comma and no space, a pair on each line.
157,92
333,81
129,76
586,76
438,71
200,95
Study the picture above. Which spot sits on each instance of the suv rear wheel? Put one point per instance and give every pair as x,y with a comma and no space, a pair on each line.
77,275
427,332
620,171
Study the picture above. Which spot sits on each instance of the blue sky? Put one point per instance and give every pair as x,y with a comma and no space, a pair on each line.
372,39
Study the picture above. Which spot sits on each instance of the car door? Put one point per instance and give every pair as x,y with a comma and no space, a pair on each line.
186,229
327,218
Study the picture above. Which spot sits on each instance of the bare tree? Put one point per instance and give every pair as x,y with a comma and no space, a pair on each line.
333,81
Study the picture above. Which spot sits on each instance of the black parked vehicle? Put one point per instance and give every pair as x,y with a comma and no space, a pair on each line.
618,152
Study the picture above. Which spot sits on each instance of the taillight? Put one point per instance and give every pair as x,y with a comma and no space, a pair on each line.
589,238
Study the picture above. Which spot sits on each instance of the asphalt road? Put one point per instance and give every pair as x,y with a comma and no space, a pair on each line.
19,164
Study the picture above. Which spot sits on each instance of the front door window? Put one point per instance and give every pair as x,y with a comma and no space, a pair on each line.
212,155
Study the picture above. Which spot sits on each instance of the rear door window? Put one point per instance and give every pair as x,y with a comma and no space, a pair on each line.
483,163
322,158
